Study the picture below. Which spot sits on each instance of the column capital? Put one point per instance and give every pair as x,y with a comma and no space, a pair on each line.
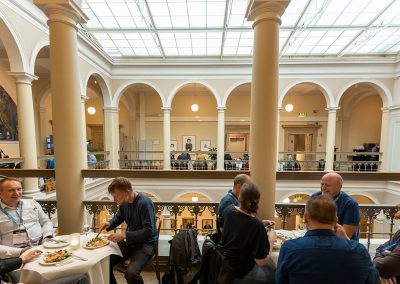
110,109
332,109
261,10
65,11
221,109
395,107
166,109
385,109
279,109
84,98
42,109
23,77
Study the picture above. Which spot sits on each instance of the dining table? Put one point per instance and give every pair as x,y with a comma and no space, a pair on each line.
94,262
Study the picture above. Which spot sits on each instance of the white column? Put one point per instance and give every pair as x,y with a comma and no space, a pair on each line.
111,135
26,128
383,145
221,138
42,130
142,116
84,98
167,137
330,138
64,16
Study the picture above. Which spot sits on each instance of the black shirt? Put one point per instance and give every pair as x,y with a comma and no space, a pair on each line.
243,239
140,219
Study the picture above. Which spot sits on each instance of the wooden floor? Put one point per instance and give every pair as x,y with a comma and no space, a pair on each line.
149,277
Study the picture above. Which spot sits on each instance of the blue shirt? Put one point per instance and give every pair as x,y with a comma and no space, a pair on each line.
227,200
348,211
322,257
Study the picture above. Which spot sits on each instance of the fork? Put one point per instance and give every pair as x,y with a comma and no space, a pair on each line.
79,257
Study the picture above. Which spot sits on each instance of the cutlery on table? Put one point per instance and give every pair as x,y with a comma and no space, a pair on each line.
64,263
56,241
79,257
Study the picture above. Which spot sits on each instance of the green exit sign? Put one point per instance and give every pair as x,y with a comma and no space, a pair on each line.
302,114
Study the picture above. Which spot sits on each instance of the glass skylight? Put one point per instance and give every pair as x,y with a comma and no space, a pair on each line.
218,28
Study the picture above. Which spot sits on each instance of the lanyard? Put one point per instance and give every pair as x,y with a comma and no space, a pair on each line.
11,217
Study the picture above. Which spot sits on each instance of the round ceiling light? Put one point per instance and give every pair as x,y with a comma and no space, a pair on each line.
91,110
194,107
195,199
289,107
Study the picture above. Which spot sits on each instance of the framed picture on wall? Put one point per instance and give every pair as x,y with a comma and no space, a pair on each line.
188,143
205,145
207,224
174,145
187,223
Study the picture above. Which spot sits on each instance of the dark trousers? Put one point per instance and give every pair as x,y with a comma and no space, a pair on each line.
139,256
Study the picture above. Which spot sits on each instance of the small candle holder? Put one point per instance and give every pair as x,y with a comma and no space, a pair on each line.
75,241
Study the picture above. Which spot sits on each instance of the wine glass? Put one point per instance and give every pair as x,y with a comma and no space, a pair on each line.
86,230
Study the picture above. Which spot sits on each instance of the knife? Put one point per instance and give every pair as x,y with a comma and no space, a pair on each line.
79,257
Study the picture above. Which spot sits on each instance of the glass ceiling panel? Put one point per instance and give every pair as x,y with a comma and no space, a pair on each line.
218,28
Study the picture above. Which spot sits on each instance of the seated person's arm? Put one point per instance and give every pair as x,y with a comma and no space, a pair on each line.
349,229
45,222
13,263
8,251
388,264
145,233
271,240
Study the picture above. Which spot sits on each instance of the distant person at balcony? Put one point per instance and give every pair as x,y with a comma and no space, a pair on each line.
51,164
92,160
348,211
22,221
245,243
231,197
189,145
200,163
291,164
137,244
325,254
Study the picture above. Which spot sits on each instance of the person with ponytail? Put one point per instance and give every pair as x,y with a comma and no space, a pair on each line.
245,244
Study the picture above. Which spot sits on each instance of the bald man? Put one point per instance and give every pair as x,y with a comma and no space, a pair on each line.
348,212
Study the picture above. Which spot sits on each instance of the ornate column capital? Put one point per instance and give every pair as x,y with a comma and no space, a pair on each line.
84,98
111,109
65,11
261,10
166,109
23,77
332,109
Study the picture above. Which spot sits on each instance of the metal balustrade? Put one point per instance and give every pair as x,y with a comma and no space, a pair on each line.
175,209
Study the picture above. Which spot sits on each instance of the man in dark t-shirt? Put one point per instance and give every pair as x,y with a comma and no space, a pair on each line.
138,242
231,197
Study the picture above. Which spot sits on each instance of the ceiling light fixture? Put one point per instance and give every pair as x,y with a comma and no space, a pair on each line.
289,107
91,110
195,199
194,107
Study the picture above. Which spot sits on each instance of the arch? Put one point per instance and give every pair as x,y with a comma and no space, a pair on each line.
151,193
230,90
330,101
354,101
16,57
38,47
105,88
179,86
43,96
369,196
383,91
192,191
287,195
127,84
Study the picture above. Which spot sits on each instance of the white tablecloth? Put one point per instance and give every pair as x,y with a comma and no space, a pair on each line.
96,266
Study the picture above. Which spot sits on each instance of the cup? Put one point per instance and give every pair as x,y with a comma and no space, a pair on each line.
75,241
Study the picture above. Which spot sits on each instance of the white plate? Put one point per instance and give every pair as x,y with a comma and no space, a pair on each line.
55,245
86,247
41,261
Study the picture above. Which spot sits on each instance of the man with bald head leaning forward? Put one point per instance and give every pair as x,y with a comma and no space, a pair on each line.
348,211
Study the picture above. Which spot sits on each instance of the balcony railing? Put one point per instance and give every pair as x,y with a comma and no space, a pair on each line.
197,210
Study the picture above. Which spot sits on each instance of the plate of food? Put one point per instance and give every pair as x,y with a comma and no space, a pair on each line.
55,257
96,243
55,243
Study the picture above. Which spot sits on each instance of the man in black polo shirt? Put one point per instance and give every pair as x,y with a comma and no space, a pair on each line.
137,243
231,197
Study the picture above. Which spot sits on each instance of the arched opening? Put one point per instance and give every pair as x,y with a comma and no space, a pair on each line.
237,128
302,128
358,129
140,128
193,128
